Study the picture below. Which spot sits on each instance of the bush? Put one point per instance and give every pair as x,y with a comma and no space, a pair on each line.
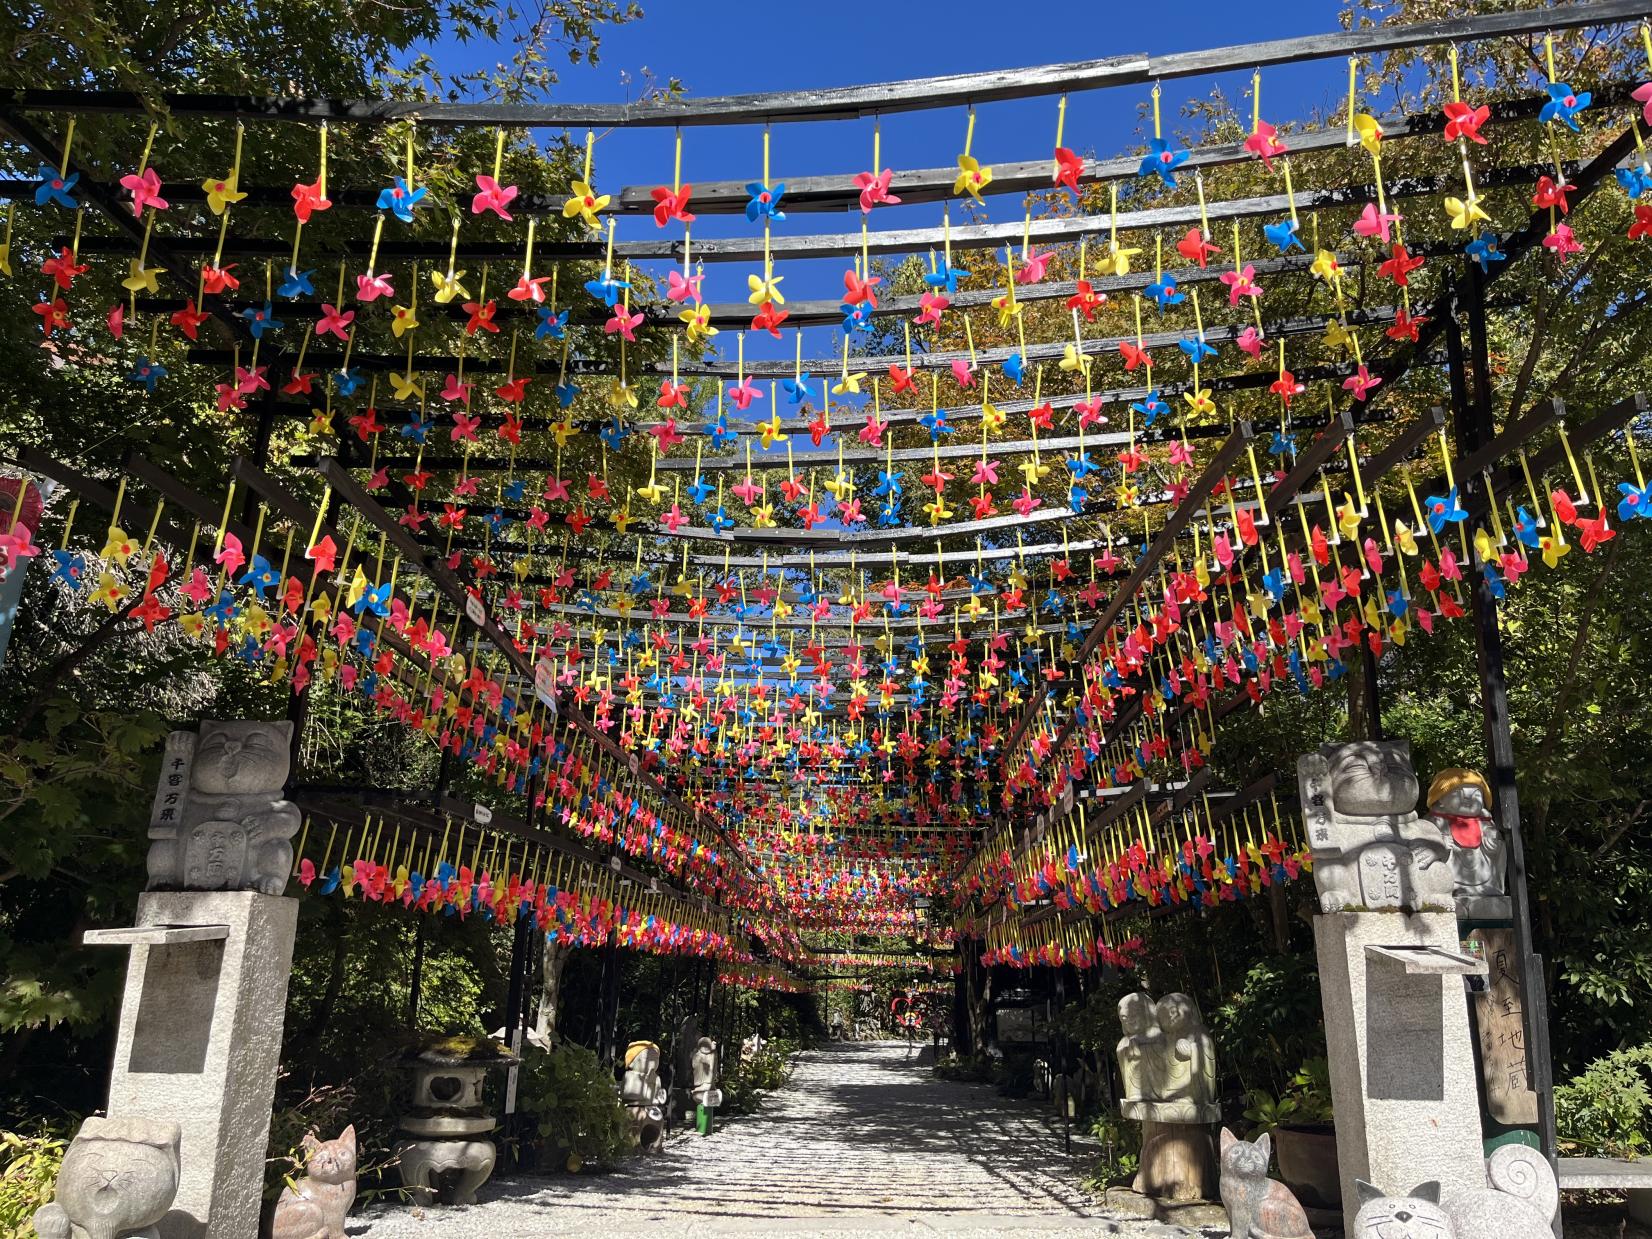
974,1070
571,1100
1607,1110
1120,1141
31,1161
744,1083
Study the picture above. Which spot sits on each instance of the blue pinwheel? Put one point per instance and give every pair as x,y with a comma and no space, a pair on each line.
607,289
345,382
796,389
69,568
764,201
1282,445
1636,501
1485,249
1564,105
260,575
721,434
946,276
515,491
364,645
1196,348
497,522
565,392
399,199
856,317
720,520
415,429
1077,497
1165,293
296,283
261,319
889,484
1162,161
1283,236
1635,181
1525,528
1273,580
1444,509
935,422
699,490
1494,581
1081,466
1015,366
1151,406
552,324
55,187
614,434
147,373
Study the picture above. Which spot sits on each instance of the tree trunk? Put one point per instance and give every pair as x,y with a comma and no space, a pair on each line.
550,988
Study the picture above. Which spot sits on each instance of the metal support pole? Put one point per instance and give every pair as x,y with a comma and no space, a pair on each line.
1474,429
415,986
1066,1068
521,966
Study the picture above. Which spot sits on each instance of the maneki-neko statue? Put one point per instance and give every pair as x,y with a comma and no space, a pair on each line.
1371,849
219,821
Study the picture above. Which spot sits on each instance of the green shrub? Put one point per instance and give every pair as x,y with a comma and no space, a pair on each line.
744,1082
571,1099
1607,1110
1120,1141
31,1159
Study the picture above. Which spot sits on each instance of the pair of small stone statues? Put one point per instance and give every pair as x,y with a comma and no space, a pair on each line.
1371,848
645,1097
1167,1073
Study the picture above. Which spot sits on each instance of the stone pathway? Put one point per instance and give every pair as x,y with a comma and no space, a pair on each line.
863,1141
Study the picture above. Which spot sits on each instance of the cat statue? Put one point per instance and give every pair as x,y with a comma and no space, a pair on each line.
1518,1202
1258,1207
315,1206
117,1181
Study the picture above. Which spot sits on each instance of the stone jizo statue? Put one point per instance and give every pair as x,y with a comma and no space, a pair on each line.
643,1094
219,821
1167,1061
703,1073
118,1180
1459,804
1371,850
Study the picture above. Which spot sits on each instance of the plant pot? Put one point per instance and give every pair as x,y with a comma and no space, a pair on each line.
1308,1163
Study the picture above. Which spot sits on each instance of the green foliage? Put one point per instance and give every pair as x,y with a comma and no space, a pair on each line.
1606,1110
30,1161
1307,1099
326,1110
1120,1141
574,1105
970,1070
745,1082
1275,1019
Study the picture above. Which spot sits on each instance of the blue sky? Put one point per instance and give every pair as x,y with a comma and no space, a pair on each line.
724,47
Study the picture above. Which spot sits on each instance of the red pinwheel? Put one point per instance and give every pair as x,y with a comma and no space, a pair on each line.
515,390
769,318
1642,227
672,204
1195,248
874,189
188,320
216,280
307,200
529,288
1406,325
1400,266
1134,356
1069,167
63,268
54,315
1086,300
481,317
1286,387
673,395
1562,243
857,291
1264,143
1550,195
1463,121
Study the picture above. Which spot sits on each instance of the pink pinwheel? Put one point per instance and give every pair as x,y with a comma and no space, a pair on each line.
1561,242
748,491
683,288
464,427
1033,266
962,372
231,555
623,324
1643,95
665,435
334,320
228,397
1250,340
1264,143
1241,284
529,288
932,305
1375,223
117,320
455,390
874,189
1089,413
743,393
1361,383
986,473
251,380
145,188
491,196
370,287
872,432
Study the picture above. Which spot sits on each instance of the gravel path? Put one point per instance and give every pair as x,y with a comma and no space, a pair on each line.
862,1142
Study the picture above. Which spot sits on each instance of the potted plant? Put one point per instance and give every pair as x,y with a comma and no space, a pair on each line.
1304,1135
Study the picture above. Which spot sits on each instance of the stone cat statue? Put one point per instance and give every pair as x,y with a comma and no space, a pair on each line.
315,1206
1258,1207
1518,1202
118,1180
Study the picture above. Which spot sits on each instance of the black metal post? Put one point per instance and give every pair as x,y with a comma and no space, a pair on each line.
415,986
1066,1068
1474,429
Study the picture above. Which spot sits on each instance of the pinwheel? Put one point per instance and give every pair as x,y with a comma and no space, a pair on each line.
1195,248
1562,243
222,192
874,190
973,177
1283,236
946,277
308,199
1250,341
1069,167
63,268
584,203
1361,383
1241,284
400,199
491,196
1634,181
529,288
765,288
1165,293
147,373
1441,510
608,290
763,201
697,318
770,319
1375,223
261,319
145,188
1484,249
672,204
681,288
796,388
295,284
370,286
1197,349
188,320
1464,121
345,382
855,318
623,323
1015,366
1134,356
1162,161
55,187
1464,214
1264,143
1370,133
1399,266
1636,501
741,395
1406,325
857,291
1086,300
336,321
1564,105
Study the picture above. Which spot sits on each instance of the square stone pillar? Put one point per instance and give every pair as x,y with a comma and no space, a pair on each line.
200,1041
1403,1077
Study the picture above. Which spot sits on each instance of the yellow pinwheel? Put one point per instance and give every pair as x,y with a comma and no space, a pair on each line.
1326,267
973,177
841,485
562,431
110,591
1404,539
1008,308
1034,471
449,287
584,202
771,432
1072,359
849,384
402,320
321,421
1116,260
405,386
118,546
698,320
1370,132
992,417
141,279
1463,214
621,518
653,492
358,587
1554,550
765,288
221,191
1336,335
938,511
762,516
622,395
1483,546
1200,402
1348,517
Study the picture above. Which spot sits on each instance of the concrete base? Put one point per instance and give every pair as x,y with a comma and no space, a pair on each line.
199,1043
449,1170
1178,1162
1403,1079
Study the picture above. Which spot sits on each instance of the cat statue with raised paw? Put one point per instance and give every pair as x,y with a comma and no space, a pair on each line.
1258,1207
315,1206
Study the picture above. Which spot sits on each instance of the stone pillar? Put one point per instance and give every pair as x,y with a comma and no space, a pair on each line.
1402,1063
200,1041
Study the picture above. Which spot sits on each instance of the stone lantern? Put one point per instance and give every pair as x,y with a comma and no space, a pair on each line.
448,1153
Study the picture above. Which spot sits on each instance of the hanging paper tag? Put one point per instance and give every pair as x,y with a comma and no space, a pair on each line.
544,685
614,863
482,814
475,612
